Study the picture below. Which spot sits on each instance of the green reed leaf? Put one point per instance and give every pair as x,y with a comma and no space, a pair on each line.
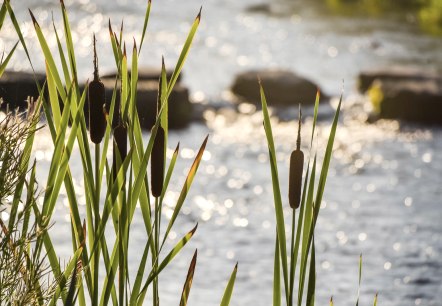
169,257
229,288
3,12
170,170
65,276
277,274
140,273
49,58
359,279
146,22
327,158
375,301
69,42
280,224
189,280
184,53
310,300
6,61
186,187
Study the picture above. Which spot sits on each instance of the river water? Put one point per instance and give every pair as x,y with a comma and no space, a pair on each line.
383,195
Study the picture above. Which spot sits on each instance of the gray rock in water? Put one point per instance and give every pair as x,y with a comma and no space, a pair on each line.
416,101
395,73
282,87
144,74
180,108
17,86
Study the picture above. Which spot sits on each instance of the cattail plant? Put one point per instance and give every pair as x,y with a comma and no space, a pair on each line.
296,167
157,160
97,116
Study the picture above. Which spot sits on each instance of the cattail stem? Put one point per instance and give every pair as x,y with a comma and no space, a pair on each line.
298,140
96,74
292,259
156,297
97,221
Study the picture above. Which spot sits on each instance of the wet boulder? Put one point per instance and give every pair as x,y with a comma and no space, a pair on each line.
282,87
180,108
415,101
394,74
17,86
144,74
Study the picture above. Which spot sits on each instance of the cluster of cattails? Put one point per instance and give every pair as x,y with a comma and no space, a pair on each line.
158,154
98,120
97,110
296,167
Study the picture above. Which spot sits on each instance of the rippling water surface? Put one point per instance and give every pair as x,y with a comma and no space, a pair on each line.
383,195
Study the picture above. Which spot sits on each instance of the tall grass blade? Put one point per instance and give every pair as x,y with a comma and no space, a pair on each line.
70,298
375,301
327,158
3,12
146,22
229,288
49,58
280,224
65,276
189,280
53,100
64,64
307,232
6,61
183,54
69,42
7,3
186,187
170,170
359,279
310,300
315,117
277,275
139,278
169,257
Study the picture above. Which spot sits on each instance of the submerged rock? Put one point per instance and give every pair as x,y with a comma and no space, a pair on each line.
394,74
416,101
282,87
180,108
144,74
17,86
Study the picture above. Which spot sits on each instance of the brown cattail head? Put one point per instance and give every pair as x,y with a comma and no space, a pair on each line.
157,159
120,146
96,99
296,168
157,163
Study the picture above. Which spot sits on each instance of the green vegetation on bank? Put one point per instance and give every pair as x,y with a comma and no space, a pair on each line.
427,13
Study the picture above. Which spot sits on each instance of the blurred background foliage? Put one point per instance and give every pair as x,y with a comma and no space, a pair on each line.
427,13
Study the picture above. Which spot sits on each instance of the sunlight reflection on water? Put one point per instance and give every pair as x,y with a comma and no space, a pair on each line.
374,204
